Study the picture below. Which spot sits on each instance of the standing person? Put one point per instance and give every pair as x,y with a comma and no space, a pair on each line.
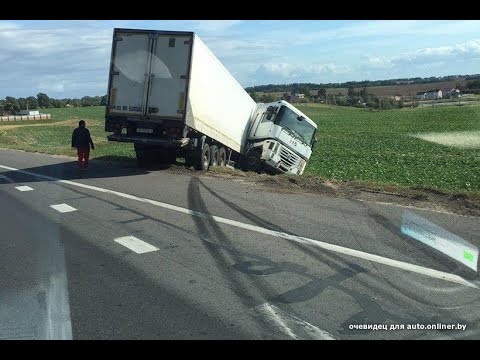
82,140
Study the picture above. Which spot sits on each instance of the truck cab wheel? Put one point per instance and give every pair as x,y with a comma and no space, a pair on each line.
213,155
203,158
252,161
222,156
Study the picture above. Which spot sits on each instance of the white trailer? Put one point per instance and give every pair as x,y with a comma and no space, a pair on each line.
170,95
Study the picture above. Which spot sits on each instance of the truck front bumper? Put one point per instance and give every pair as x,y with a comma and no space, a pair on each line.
278,161
167,143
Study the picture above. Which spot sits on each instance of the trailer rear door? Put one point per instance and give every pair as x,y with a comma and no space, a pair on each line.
130,72
169,76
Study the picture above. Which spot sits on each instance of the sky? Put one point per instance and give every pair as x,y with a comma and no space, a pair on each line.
70,59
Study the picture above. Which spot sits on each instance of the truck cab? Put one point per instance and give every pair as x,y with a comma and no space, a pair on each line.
280,137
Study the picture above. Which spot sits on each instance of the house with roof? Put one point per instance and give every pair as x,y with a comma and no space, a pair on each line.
433,94
451,92
420,95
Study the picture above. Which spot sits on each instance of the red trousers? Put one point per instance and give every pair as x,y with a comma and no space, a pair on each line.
83,154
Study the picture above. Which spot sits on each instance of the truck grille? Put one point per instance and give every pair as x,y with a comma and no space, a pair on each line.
288,158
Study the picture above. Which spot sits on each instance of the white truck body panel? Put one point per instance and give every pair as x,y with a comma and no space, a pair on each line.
218,106
182,81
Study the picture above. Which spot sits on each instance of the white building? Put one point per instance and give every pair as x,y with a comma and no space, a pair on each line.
433,94
449,93
28,112
300,96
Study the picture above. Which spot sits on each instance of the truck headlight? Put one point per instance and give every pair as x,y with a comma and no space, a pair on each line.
301,166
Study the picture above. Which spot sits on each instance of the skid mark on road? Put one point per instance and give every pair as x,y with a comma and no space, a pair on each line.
300,239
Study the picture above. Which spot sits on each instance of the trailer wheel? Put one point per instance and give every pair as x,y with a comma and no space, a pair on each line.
141,158
189,161
203,158
222,156
213,155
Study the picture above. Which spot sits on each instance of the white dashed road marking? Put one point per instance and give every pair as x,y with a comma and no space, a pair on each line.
23,188
135,244
63,208
300,239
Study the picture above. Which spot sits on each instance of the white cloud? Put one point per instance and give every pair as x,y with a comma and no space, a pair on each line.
6,25
213,26
462,51
311,72
378,29
55,59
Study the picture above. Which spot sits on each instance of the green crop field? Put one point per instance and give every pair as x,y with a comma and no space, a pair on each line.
376,147
54,136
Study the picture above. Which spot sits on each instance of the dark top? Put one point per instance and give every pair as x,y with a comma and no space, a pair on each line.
81,138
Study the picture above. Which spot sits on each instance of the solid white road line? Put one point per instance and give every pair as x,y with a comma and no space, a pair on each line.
294,327
336,248
23,188
135,244
63,208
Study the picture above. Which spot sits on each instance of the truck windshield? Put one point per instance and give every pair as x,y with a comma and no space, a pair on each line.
302,130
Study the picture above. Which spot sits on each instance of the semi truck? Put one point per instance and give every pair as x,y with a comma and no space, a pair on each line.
170,96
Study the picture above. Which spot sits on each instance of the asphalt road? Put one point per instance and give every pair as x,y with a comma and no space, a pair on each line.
151,254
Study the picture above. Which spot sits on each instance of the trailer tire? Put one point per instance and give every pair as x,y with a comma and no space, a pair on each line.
170,156
189,160
202,161
213,155
141,158
222,156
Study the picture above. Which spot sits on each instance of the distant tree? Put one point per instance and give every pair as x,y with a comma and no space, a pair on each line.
103,101
401,104
322,93
364,94
11,107
387,103
266,98
86,101
22,103
56,103
254,96
340,100
43,100
351,91
474,84
32,103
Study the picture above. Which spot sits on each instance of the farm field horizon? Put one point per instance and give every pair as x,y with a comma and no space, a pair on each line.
421,147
